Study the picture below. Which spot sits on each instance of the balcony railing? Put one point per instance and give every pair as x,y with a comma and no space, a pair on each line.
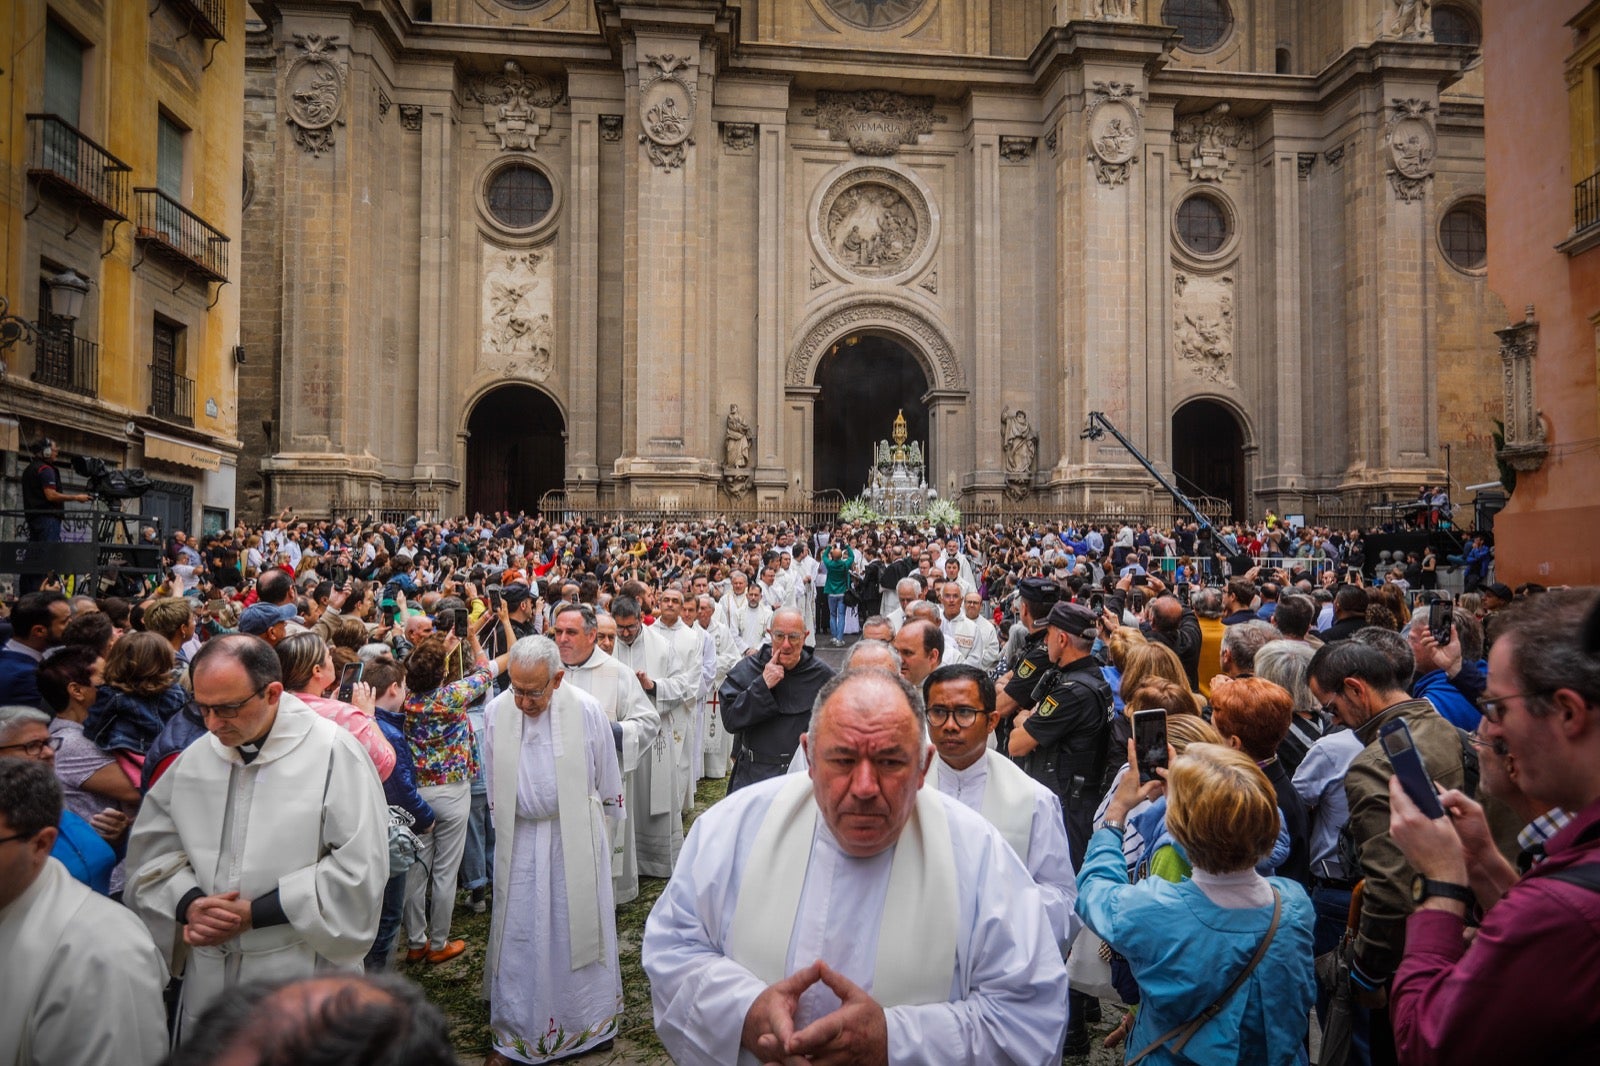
1586,203
59,155
67,362
171,395
208,17
178,234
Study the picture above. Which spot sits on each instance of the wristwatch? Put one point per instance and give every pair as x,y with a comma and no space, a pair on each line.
1114,826
1423,889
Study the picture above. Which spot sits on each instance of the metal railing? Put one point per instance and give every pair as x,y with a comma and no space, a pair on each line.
208,17
171,227
60,153
171,395
1586,203
64,361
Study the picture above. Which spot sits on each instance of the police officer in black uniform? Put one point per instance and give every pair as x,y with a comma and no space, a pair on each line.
1064,744
1014,690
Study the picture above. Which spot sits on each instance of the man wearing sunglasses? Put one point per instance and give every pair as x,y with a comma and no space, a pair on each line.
267,841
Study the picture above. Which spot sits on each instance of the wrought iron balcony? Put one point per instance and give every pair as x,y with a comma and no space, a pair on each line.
62,158
171,395
64,361
208,18
172,231
1586,203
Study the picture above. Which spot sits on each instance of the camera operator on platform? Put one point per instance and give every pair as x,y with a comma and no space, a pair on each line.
42,497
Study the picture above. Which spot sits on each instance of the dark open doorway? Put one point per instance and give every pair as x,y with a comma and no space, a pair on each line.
865,380
516,450
1208,454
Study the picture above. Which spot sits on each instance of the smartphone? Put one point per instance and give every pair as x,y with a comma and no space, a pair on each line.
1441,617
460,620
349,674
1397,744
390,612
1150,741
1185,596
1097,603
1140,579
494,600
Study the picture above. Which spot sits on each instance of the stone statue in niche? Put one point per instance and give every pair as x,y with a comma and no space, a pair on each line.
1113,10
1408,20
1021,445
736,441
1203,325
872,230
518,328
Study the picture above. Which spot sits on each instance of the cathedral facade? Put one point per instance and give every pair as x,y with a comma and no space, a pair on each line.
700,254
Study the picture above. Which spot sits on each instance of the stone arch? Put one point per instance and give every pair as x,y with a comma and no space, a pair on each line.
876,314
515,435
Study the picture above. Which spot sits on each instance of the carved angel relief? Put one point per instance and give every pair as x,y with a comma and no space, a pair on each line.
518,304
1202,324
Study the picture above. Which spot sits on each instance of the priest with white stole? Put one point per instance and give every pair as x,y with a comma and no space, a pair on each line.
750,621
850,915
961,717
718,741
83,980
691,663
960,632
267,841
634,722
555,792
671,679
986,639
733,598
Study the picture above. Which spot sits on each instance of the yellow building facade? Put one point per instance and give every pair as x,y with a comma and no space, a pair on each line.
122,157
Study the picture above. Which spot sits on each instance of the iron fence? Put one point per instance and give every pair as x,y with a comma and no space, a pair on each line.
1586,203
59,152
176,231
65,361
171,395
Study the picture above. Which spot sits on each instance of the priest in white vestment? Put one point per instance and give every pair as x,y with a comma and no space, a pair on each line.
669,672
986,640
555,792
807,577
750,621
960,632
732,599
689,650
961,718
83,980
267,840
850,908
634,723
718,748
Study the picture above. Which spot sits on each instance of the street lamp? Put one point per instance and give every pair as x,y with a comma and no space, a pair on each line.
67,292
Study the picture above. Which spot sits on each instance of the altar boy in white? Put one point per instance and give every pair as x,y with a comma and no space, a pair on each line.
555,793
852,914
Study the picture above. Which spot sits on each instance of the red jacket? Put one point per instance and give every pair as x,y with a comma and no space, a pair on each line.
1524,990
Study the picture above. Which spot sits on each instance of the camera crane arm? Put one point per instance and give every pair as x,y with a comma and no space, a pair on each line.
1099,425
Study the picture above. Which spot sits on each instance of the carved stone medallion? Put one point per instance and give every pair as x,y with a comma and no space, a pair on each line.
1202,325
1115,130
314,88
874,121
874,223
516,105
1412,146
666,111
518,330
875,14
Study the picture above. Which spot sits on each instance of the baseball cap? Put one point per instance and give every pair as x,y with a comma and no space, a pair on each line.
1072,618
260,617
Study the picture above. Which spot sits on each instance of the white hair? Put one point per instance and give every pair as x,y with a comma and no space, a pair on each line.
14,716
530,653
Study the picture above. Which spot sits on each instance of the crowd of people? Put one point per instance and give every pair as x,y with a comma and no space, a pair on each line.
1061,776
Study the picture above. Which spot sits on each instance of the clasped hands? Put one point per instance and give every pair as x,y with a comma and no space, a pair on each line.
857,1034
214,920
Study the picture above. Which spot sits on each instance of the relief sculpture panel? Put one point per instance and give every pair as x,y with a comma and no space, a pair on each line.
1202,325
518,302
874,223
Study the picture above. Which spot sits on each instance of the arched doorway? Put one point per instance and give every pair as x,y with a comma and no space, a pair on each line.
864,381
1208,453
516,450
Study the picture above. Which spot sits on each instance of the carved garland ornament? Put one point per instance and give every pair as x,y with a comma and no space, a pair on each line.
1412,147
314,85
1208,143
874,122
666,111
516,105
874,223
873,313
1115,130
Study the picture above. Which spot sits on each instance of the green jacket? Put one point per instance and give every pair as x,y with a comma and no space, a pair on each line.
1386,899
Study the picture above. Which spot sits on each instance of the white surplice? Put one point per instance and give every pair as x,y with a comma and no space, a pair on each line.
624,702
654,789
718,741
1007,988
552,992
960,639
83,980
306,817
985,645
1039,828
697,728
803,597
691,664
750,625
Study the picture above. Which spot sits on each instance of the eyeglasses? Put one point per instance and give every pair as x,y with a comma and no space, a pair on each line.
33,748
20,836
938,714
227,710
1493,707
788,638
532,695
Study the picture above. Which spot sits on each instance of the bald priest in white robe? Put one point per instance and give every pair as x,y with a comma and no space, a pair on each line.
555,792
267,840
634,722
851,915
82,980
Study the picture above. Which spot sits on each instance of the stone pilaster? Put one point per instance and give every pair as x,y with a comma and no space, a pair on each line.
592,94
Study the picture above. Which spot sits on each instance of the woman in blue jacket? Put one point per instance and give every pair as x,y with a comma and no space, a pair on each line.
1188,943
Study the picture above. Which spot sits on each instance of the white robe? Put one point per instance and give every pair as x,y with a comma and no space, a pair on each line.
307,817
654,790
960,638
697,729
541,1006
985,645
718,742
83,980
624,702
750,625
1007,990
691,666
1045,853
804,595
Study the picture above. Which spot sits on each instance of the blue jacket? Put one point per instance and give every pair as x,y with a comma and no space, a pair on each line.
1448,700
181,730
400,787
19,681
1184,951
121,721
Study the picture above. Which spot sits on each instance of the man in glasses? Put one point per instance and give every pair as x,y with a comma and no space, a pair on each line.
960,703
83,847
267,842
766,700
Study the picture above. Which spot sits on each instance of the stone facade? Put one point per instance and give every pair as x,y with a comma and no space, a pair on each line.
726,194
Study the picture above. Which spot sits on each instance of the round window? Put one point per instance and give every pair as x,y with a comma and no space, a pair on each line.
1464,236
519,196
1203,23
1203,225
1452,25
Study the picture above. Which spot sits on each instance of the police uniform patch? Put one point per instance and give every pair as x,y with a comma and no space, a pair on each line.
1048,707
1026,669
